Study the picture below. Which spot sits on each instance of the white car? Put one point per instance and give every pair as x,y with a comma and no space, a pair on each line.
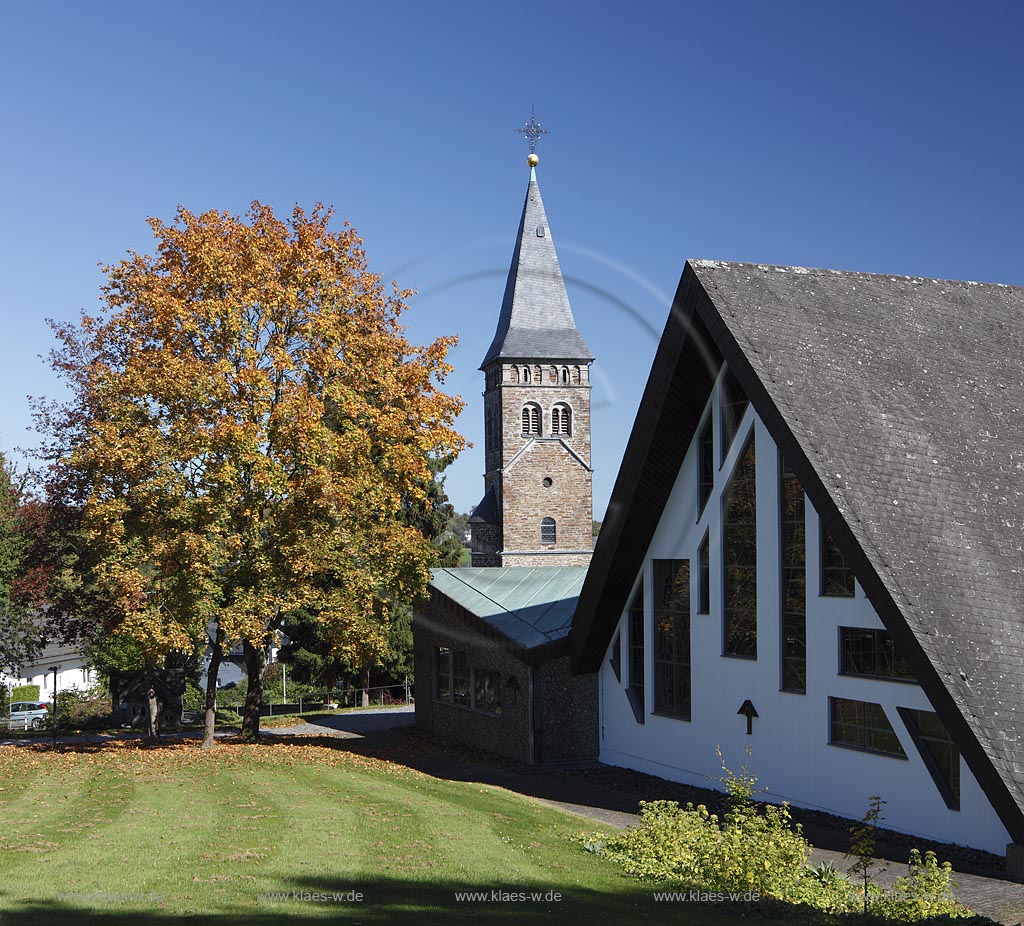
28,714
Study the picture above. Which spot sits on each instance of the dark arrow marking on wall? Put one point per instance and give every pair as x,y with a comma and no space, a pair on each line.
750,712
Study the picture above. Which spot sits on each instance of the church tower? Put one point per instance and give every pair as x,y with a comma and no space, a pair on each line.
537,508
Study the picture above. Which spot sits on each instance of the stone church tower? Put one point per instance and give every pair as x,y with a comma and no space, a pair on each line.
537,507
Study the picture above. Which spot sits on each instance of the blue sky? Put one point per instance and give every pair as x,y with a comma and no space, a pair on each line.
882,137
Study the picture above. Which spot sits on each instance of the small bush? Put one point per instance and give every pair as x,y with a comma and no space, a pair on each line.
926,892
193,698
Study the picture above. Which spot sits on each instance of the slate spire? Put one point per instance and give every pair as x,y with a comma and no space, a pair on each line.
536,320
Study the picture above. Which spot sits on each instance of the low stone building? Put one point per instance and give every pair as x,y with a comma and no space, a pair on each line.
492,664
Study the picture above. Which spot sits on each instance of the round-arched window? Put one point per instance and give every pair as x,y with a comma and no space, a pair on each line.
561,420
531,420
548,533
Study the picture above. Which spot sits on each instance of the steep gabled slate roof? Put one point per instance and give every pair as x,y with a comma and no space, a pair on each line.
529,607
536,320
899,402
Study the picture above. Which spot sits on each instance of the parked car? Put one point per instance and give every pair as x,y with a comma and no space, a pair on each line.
25,714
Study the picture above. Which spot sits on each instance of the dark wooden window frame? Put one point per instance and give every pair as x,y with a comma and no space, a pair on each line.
865,728
727,609
637,653
704,575
826,543
792,621
879,638
671,626
705,464
472,675
733,403
950,790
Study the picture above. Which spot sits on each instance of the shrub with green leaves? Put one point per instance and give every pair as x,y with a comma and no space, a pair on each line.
193,698
759,848
926,892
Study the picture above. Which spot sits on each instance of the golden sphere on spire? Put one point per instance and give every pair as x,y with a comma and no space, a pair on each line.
533,160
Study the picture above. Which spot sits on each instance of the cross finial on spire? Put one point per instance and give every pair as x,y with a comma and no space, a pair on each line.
532,131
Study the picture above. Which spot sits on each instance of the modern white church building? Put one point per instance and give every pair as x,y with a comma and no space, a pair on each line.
814,549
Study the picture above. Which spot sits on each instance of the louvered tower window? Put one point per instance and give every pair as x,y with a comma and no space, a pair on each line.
531,420
561,421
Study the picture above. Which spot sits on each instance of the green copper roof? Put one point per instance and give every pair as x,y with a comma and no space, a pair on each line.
530,606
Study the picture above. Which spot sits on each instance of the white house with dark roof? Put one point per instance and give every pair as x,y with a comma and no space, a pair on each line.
73,670
814,549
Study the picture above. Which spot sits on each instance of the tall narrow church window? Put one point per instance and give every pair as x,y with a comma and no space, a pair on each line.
739,546
553,375
561,421
531,420
706,463
940,754
734,404
514,374
548,533
672,637
526,374
537,375
565,375
836,576
704,581
794,580
635,626
576,376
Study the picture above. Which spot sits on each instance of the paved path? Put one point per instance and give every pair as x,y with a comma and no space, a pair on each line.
352,724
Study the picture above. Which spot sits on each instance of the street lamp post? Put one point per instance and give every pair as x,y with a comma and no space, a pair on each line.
53,720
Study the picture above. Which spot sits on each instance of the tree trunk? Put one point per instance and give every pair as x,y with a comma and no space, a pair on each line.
210,720
153,705
255,663
366,686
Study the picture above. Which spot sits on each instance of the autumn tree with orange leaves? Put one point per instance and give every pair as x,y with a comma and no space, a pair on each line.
248,420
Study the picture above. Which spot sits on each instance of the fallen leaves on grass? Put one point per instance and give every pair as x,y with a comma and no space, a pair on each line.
137,758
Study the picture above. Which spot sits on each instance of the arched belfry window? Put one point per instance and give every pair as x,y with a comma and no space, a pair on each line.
548,533
561,421
515,374
538,376
553,375
526,374
565,374
576,376
531,420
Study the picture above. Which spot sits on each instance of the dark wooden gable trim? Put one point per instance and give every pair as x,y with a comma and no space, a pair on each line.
683,373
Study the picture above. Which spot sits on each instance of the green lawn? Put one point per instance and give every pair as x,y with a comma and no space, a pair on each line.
125,834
